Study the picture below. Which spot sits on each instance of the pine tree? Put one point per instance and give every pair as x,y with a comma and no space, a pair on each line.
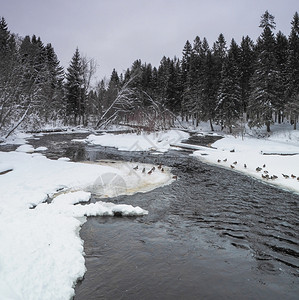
33,64
208,91
101,93
229,94
10,77
292,90
281,54
168,84
192,95
112,90
264,83
185,66
74,89
55,79
4,39
246,68
186,59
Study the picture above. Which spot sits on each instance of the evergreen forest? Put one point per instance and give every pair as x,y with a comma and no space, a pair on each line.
225,83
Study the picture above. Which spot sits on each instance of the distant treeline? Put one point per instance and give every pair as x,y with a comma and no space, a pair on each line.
254,82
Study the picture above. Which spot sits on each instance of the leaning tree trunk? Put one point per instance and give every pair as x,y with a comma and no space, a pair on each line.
19,123
211,125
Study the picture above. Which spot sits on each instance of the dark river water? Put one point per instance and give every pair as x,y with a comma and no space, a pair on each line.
212,234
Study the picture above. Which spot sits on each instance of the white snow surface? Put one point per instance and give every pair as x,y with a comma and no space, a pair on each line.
159,141
41,253
279,153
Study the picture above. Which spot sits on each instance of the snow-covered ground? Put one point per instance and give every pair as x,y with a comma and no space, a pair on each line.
157,141
41,253
277,154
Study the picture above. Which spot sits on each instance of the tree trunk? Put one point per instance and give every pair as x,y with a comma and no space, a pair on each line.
18,124
268,126
279,117
211,125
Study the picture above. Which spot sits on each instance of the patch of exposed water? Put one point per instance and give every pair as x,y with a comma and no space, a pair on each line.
213,233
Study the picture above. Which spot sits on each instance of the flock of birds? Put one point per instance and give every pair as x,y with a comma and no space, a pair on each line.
160,167
265,174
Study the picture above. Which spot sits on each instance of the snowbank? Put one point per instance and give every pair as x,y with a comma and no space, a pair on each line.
275,156
18,138
41,253
157,141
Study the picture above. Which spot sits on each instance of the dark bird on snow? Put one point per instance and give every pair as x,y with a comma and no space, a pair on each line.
235,162
162,170
273,177
258,169
285,176
266,172
225,160
245,166
298,178
232,166
160,166
143,170
175,177
136,168
265,176
293,176
219,160
149,172
264,166
153,169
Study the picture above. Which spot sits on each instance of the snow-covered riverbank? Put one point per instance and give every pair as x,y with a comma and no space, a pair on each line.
277,155
41,253
156,141
274,159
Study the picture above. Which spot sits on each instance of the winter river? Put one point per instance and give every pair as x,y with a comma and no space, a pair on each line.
212,234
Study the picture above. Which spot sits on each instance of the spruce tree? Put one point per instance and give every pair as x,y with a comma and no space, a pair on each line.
229,94
192,99
10,78
264,83
292,90
74,89
54,83
208,91
246,68
4,38
281,54
185,66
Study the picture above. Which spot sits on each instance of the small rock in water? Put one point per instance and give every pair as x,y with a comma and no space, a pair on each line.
117,214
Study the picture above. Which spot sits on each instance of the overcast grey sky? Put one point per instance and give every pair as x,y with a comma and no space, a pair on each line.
117,32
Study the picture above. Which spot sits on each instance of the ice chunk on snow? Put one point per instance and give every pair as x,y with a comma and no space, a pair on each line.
64,159
25,148
72,198
42,148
